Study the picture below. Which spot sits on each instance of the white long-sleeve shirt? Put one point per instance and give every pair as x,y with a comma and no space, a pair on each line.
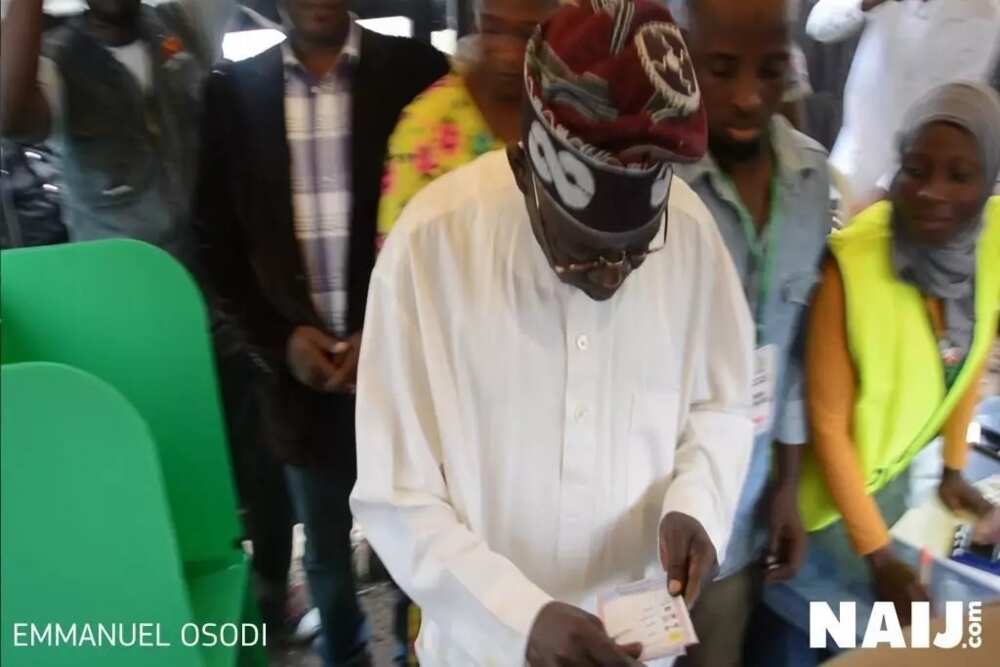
519,442
907,49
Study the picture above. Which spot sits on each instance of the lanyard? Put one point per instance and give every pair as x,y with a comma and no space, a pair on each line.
763,248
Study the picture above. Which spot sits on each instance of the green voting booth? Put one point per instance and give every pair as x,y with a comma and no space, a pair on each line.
128,318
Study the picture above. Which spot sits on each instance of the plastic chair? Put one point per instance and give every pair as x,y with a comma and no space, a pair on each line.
129,314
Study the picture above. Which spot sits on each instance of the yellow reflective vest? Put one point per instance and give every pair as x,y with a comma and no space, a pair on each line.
902,402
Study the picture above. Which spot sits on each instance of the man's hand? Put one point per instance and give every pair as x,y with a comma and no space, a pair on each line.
958,495
24,113
687,555
346,355
323,362
564,636
787,545
987,530
896,582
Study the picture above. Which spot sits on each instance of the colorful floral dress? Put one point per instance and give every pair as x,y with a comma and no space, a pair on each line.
442,129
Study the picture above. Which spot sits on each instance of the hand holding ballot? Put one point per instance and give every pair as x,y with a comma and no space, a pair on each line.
646,614
565,636
987,529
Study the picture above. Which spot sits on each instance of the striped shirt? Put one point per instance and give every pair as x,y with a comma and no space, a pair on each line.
318,126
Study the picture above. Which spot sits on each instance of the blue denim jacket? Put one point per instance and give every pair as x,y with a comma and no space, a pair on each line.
778,290
128,160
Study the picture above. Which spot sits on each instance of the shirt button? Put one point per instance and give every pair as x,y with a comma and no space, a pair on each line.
582,343
581,413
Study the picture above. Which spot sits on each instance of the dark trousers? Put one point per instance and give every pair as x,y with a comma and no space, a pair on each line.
772,642
270,522
720,619
320,495
260,482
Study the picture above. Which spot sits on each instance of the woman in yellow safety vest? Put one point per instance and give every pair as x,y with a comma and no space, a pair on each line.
898,335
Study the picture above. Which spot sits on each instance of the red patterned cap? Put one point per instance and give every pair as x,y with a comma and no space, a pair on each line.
611,100
615,78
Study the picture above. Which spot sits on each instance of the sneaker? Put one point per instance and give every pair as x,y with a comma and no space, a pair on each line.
308,627
289,630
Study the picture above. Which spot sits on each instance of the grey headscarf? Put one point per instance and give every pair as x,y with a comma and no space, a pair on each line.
948,272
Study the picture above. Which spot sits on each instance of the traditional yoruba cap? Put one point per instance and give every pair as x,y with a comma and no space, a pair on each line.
611,100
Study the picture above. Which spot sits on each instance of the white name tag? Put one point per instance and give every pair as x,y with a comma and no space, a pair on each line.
764,378
645,612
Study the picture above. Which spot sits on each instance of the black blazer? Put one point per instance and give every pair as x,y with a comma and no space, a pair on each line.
248,260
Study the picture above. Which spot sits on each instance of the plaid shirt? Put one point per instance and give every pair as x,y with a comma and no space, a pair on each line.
318,122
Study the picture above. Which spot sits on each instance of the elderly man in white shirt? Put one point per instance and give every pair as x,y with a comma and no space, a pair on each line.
554,386
908,48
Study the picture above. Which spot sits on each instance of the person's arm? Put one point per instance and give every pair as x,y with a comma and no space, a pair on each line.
791,426
956,493
713,451
222,264
787,536
402,499
831,387
837,20
24,112
956,428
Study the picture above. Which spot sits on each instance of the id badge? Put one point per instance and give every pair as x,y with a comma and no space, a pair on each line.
765,369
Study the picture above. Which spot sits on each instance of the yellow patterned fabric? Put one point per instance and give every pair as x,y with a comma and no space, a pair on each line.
441,130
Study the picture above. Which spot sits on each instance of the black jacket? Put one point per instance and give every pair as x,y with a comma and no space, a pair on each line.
249,261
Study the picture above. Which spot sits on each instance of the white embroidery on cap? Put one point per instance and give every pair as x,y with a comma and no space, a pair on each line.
569,175
668,65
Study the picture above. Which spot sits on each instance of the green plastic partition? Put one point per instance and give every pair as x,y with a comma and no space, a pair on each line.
131,315
87,539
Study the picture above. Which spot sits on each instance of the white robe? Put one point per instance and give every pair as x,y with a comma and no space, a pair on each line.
907,49
519,442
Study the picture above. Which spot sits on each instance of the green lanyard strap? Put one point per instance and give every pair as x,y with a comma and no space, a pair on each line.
763,248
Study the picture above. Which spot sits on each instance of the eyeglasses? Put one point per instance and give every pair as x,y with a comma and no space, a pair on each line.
617,266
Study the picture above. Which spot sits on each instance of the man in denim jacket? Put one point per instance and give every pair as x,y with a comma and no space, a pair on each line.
116,90
767,187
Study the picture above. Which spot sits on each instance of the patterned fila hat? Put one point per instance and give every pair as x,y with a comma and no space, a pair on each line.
611,100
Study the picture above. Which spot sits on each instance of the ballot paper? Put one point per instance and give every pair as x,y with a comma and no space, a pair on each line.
645,612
